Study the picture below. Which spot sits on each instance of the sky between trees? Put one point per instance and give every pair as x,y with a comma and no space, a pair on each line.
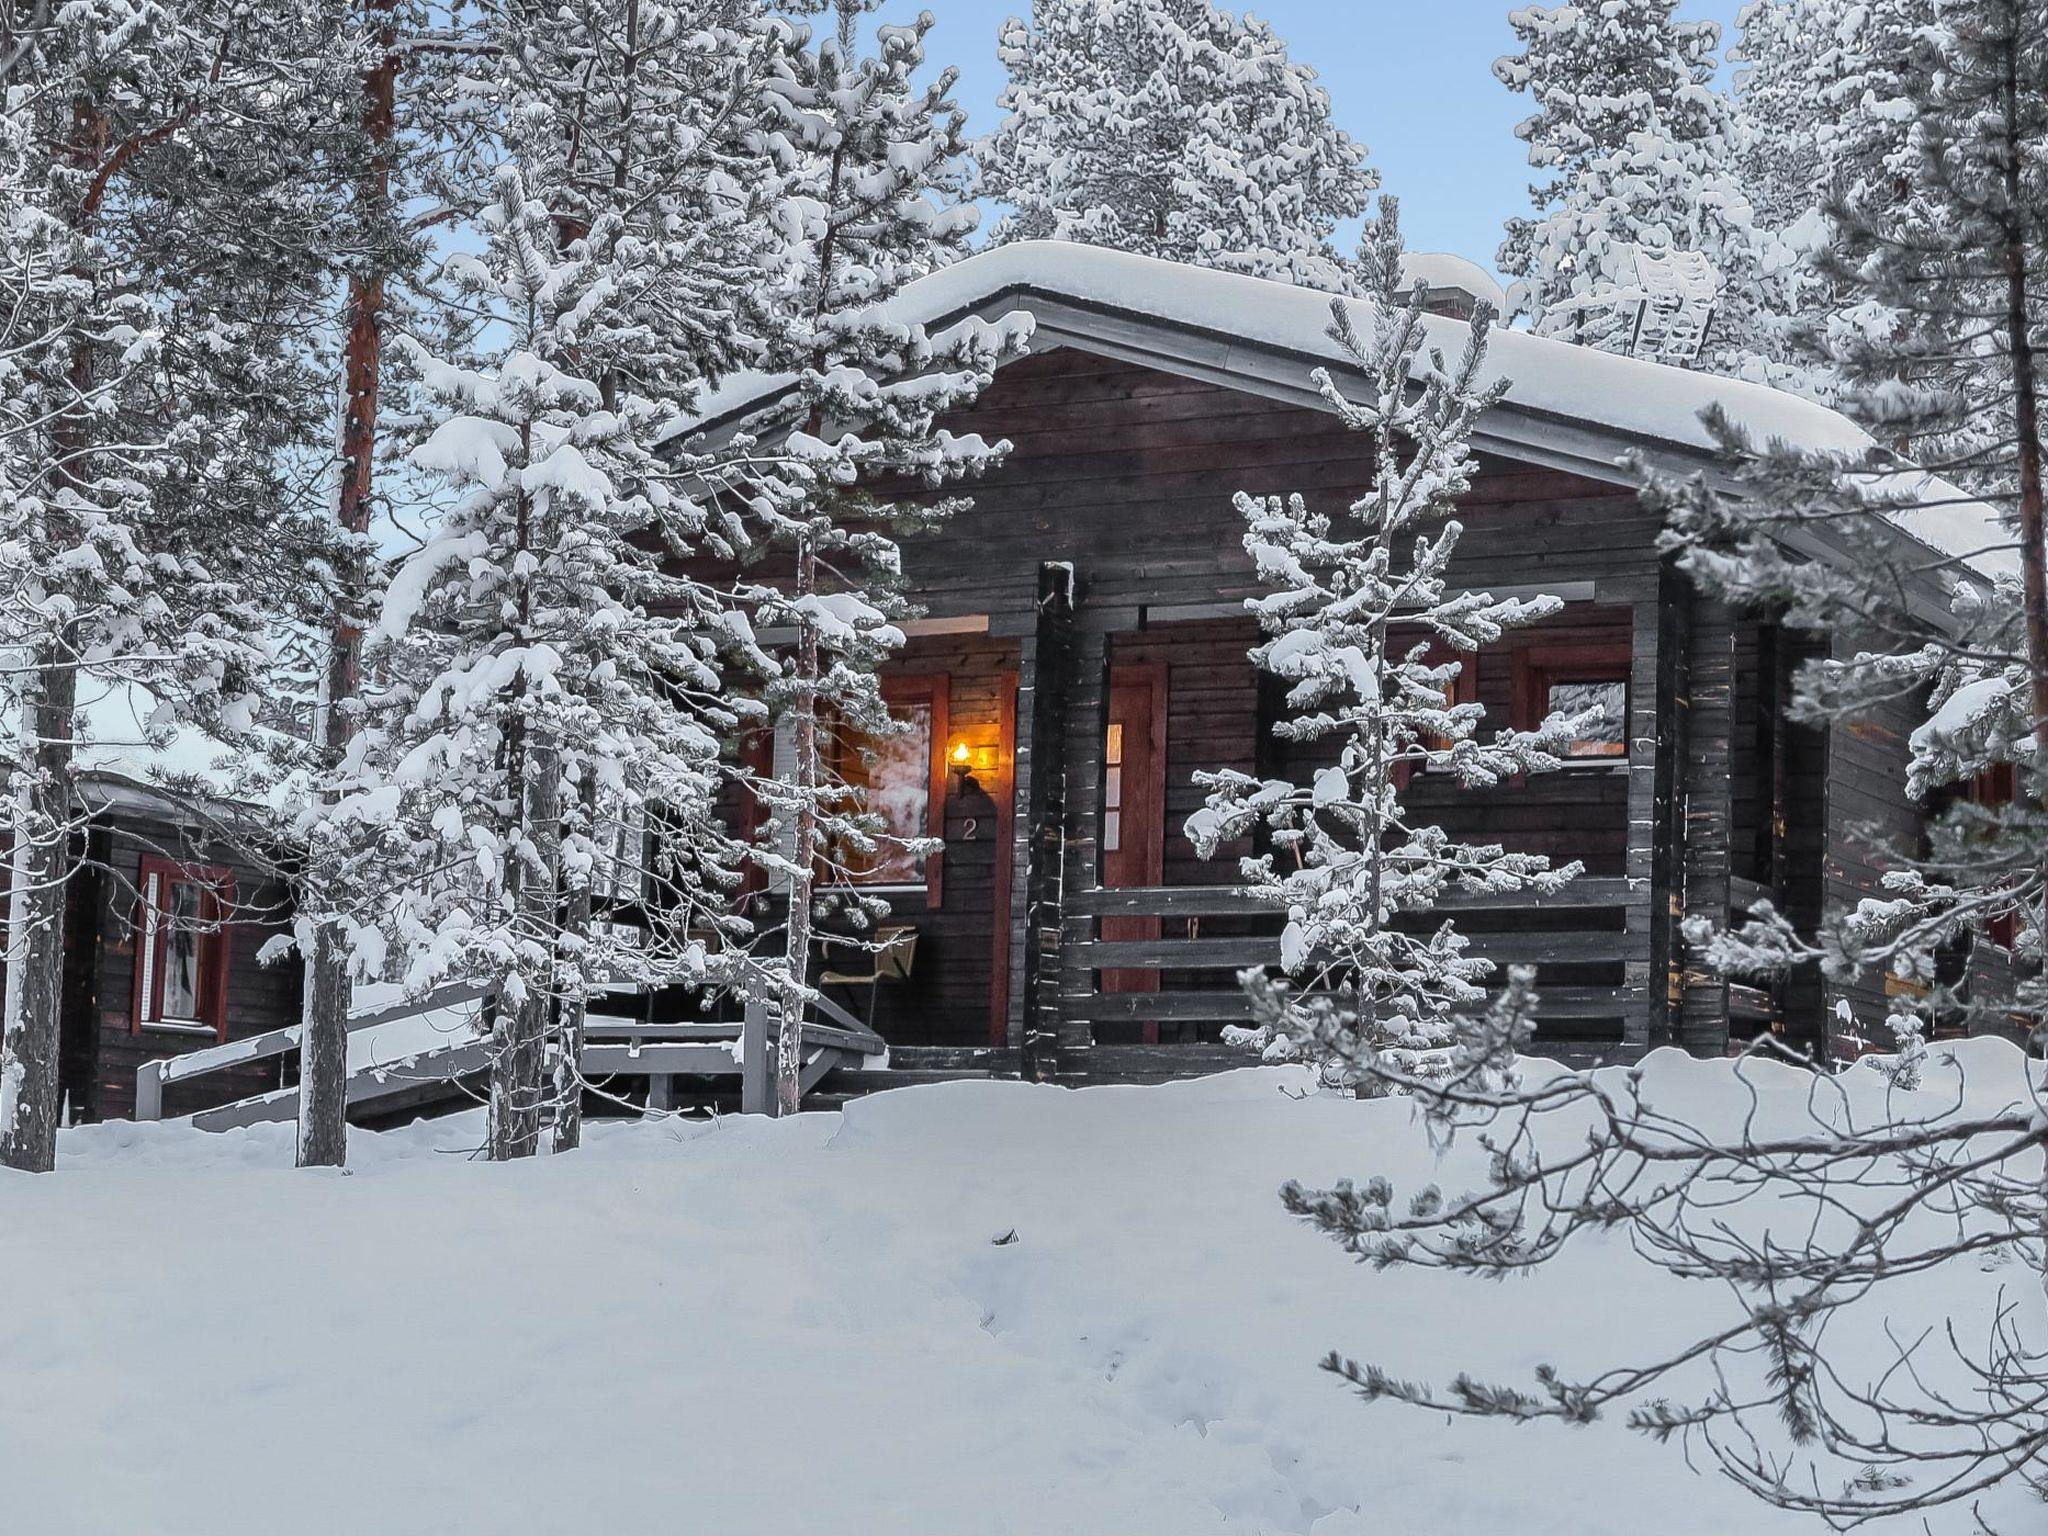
1412,79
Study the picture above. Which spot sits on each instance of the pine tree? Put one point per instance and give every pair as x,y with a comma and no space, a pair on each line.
1172,128
1352,870
556,676
1641,152
877,199
373,171
1950,249
154,535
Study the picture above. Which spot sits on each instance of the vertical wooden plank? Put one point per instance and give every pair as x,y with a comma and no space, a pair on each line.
1709,810
1649,762
1005,899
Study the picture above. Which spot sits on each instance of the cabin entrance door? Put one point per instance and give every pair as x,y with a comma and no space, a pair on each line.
1134,808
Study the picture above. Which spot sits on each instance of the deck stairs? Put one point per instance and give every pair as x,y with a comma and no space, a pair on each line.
423,1057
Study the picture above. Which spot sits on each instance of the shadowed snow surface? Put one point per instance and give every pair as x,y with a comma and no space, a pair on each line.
194,1338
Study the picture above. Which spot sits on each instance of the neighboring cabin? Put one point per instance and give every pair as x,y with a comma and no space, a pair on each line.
170,906
1083,654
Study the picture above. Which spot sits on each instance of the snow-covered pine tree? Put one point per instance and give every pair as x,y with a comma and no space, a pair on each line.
636,124
658,136
1369,972
1952,253
1640,154
876,199
552,667
1794,103
152,535
1172,128
374,170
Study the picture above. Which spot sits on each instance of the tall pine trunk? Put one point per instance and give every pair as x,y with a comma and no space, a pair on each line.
520,1037
35,919
43,806
574,1003
808,769
323,1044
2027,427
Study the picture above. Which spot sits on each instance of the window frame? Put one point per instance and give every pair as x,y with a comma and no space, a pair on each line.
154,877
1464,688
1539,668
933,690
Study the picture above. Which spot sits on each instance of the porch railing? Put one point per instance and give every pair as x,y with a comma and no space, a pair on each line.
1587,928
613,1046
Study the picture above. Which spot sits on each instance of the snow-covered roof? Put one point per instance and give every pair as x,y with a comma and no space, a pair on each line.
1609,405
115,746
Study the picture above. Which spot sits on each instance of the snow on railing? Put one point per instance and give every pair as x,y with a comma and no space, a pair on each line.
152,1077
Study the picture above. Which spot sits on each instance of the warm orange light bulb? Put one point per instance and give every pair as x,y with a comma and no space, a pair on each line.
960,757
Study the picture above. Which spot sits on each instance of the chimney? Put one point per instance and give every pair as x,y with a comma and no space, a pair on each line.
1456,286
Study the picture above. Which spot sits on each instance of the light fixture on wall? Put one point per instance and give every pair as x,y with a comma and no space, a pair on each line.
961,761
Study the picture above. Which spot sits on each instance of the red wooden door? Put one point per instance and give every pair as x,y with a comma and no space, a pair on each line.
1134,808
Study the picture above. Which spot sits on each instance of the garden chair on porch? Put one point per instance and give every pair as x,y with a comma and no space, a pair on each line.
889,956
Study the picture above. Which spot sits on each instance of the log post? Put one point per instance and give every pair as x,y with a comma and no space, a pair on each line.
1043,684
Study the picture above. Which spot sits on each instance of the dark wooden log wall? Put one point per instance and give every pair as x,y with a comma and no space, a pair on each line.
1868,818
1128,474
260,997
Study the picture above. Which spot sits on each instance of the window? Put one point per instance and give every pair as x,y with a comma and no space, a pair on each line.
181,947
1461,689
1570,680
901,778
1113,789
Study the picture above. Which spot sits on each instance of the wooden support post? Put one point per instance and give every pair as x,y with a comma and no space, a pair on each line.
1709,816
149,1091
1649,768
661,1092
1087,727
1042,692
757,1058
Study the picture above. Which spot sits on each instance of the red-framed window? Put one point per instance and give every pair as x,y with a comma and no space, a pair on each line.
1462,689
902,780
182,920
1570,679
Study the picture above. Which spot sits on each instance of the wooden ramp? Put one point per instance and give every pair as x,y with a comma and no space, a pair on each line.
423,1056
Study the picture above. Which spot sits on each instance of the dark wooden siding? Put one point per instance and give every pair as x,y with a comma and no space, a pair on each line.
1869,819
1129,474
259,998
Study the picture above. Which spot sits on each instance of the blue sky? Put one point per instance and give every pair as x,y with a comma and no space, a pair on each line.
1410,78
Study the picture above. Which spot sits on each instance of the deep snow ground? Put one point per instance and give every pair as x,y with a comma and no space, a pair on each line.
804,1327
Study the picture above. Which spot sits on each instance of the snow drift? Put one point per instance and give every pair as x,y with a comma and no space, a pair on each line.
980,1308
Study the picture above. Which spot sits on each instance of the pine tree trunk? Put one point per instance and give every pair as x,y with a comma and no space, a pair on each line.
35,927
575,1003
2027,427
323,1043
33,1015
804,855
522,1024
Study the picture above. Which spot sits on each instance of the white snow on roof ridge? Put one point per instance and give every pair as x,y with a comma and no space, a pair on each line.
1625,395
1441,271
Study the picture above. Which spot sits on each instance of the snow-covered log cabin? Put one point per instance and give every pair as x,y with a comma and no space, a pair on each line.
174,897
1083,654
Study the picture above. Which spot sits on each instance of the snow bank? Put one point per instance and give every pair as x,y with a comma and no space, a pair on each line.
196,1339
